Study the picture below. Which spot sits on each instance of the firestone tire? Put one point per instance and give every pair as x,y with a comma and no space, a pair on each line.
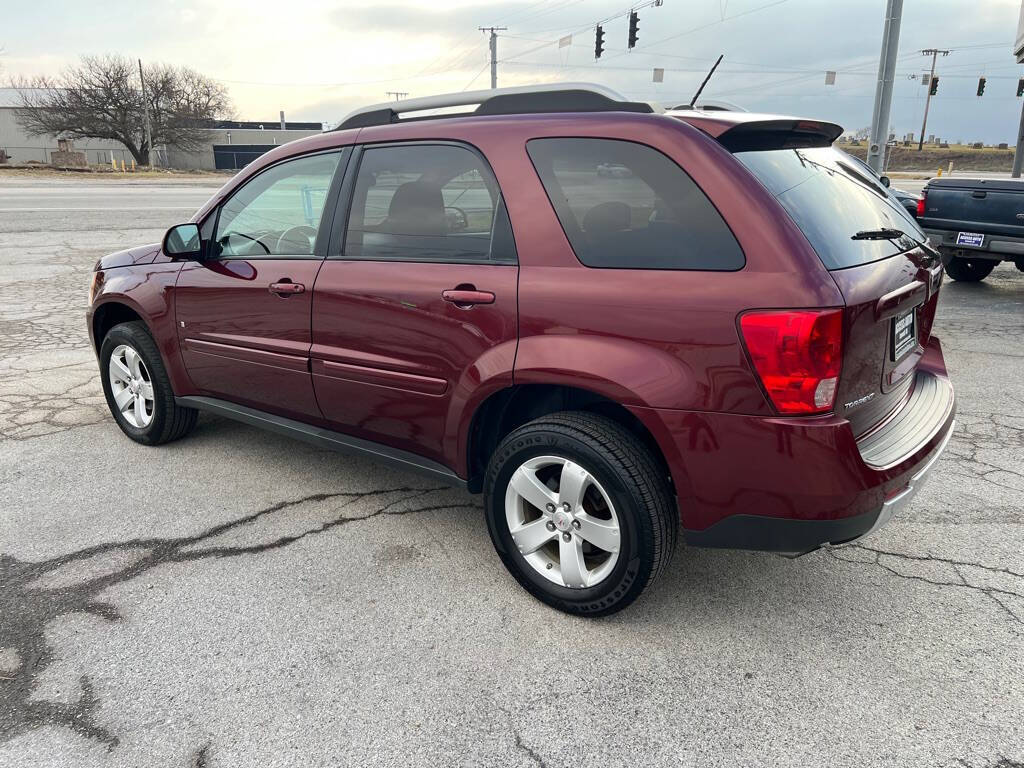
137,388
970,270
626,486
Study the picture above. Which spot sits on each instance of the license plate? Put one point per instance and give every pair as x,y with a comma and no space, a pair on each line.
904,334
970,238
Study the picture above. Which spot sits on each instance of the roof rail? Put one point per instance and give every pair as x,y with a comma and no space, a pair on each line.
550,97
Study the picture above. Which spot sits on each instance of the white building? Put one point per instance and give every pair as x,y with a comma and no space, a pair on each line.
230,144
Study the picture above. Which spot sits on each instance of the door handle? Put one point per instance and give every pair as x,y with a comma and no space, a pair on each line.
464,298
979,193
286,288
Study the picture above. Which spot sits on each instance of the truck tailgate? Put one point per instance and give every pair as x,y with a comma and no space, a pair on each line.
987,206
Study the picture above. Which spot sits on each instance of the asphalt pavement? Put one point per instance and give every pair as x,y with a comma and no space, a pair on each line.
240,599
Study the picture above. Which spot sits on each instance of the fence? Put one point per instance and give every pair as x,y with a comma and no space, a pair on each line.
42,155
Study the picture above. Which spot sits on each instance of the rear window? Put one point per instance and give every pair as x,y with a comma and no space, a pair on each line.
627,206
831,197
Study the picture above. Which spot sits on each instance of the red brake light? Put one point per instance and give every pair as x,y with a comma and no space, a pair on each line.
797,355
920,205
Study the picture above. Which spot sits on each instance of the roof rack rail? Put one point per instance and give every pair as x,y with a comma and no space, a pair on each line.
550,97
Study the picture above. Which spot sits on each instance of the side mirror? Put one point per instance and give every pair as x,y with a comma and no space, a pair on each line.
183,242
885,181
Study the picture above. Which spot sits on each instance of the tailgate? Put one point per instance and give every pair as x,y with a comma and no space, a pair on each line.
872,249
890,308
978,206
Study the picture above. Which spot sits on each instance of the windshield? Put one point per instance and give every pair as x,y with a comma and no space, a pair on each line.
832,197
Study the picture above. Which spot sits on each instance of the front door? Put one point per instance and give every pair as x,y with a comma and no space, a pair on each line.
419,306
244,312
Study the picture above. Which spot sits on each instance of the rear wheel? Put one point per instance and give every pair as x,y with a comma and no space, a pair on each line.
969,270
580,512
137,387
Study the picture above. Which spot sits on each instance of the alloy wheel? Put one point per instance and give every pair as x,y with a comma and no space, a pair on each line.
131,386
562,521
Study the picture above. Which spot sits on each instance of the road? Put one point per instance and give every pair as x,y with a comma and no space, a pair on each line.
239,599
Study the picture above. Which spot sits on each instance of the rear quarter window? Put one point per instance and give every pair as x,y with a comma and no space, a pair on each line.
627,206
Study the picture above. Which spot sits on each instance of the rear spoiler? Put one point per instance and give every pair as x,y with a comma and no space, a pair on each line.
746,132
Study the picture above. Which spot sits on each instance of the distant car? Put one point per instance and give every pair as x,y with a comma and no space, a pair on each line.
734,349
908,200
975,224
614,170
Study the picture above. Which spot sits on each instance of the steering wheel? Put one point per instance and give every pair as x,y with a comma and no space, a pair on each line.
299,240
456,219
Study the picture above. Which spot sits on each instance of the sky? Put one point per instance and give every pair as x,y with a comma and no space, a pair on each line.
318,60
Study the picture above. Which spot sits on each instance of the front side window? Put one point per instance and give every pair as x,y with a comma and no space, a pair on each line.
278,212
423,203
627,206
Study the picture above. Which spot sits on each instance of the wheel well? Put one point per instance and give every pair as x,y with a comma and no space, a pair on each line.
510,408
107,316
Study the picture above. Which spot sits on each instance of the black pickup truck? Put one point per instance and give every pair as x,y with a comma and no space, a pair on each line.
975,224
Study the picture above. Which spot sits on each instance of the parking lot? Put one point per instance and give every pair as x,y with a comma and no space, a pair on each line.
240,599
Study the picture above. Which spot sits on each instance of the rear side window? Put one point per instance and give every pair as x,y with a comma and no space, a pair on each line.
426,203
832,197
627,206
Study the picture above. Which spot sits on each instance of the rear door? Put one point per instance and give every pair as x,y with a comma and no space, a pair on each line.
872,248
244,312
416,303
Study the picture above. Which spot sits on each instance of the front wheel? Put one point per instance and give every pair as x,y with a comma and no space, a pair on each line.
970,270
580,512
137,388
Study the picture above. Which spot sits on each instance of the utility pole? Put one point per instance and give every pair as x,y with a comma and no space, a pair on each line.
145,114
883,91
1018,155
399,95
494,52
934,54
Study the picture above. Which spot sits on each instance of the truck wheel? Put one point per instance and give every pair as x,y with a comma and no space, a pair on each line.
137,387
580,512
970,270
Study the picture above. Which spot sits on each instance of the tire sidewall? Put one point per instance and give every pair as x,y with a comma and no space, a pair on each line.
970,270
130,335
635,562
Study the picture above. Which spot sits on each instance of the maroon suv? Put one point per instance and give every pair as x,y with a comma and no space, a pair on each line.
612,322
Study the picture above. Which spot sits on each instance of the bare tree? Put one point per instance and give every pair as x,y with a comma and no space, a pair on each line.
101,98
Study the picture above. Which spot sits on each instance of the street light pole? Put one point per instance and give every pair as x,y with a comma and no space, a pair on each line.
883,91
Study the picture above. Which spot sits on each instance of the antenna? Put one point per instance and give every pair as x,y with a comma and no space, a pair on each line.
701,89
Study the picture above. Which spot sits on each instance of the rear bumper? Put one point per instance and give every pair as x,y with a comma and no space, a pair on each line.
793,484
1001,247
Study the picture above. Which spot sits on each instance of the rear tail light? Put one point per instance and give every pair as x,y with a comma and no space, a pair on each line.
920,204
797,355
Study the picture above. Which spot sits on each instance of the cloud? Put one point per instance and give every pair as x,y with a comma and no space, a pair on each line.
402,20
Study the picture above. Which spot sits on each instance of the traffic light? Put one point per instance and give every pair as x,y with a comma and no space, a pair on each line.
599,42
981,85
1020,87
933,86
634,22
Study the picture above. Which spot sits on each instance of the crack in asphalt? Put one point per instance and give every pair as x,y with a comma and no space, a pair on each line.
26,608
981,439
996,594
528,750
201,757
